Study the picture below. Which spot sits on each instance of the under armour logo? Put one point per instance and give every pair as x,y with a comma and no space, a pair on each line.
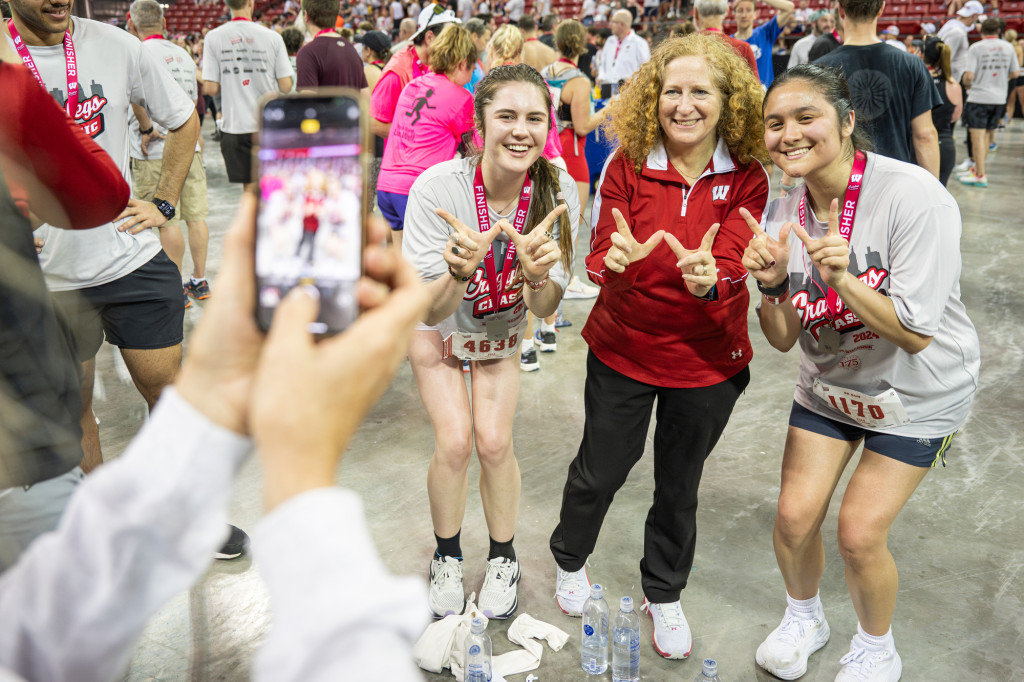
737,354
719,192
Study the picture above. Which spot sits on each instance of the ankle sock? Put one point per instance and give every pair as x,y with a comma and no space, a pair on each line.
449,546
502,549
527,345
804,608
545,327
873,642
197,280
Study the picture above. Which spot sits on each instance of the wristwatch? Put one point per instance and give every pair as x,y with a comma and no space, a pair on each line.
147,131
165,208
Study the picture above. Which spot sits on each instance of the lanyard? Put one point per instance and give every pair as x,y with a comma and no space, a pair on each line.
484,221
71,66
241,19
835,34
323,31
567,61
155,36
846,214
417,66
618,46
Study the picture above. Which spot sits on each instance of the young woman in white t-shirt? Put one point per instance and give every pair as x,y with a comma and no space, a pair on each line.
448,235
889,358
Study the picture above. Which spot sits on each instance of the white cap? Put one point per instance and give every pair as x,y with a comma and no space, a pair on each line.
928,28
892,31
433,15
972,7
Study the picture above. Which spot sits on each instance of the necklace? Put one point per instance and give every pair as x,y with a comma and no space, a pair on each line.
507,206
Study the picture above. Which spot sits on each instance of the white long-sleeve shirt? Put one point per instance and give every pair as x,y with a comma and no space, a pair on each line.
144,527
620,61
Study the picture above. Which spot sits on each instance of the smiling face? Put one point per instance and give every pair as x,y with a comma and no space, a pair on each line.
514,127
689,106
802,131
46,20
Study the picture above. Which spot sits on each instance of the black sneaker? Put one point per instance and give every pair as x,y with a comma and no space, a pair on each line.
546,341
528,361
237,545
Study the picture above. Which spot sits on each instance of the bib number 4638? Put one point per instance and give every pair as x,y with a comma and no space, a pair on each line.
487,346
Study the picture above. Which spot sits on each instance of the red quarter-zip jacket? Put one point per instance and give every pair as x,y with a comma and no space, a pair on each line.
645,323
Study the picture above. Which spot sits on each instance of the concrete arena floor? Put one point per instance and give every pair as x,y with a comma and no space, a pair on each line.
959,543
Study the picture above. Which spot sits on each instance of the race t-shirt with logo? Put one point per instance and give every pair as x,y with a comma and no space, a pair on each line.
449,185
889,89
113,72
991,60
905,245
761,41
183,70
431,117
246,59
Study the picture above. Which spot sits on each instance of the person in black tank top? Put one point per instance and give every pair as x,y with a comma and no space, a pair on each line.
937,56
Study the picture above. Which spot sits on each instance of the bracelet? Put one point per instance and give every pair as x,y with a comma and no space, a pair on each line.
787,188
147,131
536,286
457,278
776,300
776,290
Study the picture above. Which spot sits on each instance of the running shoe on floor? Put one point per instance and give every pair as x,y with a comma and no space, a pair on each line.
446,593
964,166
562,322
198,290
973,180
528,361
188,301
578,290
671,636
572,590
786,650
546,341
864,665
499,594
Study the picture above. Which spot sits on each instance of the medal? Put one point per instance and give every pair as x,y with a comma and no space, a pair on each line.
828,340
497,330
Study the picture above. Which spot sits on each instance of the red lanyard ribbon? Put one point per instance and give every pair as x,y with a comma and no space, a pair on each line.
71,65
241,19
417,66
323,31
155,36
484,220
847,212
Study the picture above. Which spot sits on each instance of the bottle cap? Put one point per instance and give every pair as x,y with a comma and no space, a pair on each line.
710,667
626,604
478,625
596,591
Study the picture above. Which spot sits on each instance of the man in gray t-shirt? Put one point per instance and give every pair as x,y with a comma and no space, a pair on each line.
991,65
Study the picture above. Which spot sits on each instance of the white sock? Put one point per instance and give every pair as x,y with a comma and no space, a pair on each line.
527,345
873,643
197,280
545,327
805,608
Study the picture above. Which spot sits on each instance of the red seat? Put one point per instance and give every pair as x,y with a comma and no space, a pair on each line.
909,27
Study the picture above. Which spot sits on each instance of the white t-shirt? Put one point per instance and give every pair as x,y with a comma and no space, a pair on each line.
954,34
991,60
397,13
514,9
113,72
246,59
449,185
619,63
183,70
801,53
906,245
465,10
589,7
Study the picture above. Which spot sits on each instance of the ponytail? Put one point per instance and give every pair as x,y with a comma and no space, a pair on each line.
547,194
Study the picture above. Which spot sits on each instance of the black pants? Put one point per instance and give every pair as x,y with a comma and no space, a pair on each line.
618,413
947,156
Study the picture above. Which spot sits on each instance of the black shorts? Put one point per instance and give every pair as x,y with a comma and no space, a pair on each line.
143,310
237,152
983,116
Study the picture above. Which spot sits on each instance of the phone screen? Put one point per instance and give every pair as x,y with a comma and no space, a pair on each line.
309,225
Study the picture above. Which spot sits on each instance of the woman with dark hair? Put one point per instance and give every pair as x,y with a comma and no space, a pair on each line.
938,56
670,323
493,235
888,357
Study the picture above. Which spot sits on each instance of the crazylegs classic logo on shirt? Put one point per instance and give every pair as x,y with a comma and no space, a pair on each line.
812,305
89,112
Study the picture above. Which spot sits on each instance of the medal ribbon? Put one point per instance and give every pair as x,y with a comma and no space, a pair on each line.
155,36
70,65
323,31
417,66
846,215
484,220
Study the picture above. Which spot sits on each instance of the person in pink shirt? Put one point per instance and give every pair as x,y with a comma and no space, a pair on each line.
433,114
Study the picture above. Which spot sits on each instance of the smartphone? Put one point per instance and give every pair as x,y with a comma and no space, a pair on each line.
310,162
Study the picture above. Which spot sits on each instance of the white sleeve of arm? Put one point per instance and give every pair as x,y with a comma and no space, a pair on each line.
138,531
337,613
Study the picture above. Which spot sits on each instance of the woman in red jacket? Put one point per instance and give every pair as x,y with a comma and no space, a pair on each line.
670,322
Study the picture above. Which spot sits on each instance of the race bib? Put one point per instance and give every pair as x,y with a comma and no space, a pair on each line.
874,412
482,345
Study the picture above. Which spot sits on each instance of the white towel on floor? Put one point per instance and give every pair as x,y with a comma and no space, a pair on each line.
443,645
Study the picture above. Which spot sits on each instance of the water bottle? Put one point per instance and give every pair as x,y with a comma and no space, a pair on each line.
594,649
626,643
709,673
478,652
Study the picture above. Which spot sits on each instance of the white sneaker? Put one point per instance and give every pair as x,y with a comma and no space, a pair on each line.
786,650
446,594
863,665
963,166
671,637
577,289
572,589
498,596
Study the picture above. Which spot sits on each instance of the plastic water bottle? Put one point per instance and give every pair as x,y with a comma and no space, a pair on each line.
626,643
709,672
594,650
478,652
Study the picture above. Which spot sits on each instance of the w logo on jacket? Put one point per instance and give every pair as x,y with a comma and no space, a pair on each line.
719,192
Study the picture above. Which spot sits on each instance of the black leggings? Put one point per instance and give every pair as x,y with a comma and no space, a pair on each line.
947,156
618,413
